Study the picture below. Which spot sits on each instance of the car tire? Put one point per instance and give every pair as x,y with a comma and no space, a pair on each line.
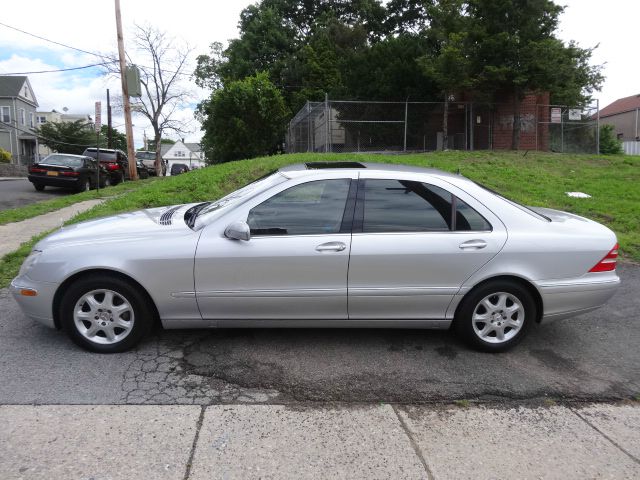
117,178
105,313
38,186
85,184
106,183
495,316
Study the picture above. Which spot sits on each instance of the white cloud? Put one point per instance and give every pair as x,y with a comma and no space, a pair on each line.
90,26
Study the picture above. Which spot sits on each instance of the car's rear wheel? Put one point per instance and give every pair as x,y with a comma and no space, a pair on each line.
117,178
496,316
105,314
38,186
85,184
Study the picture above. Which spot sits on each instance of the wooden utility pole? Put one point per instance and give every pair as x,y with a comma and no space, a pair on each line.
133,171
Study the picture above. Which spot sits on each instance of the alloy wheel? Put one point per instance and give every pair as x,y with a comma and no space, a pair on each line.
498,317
103,316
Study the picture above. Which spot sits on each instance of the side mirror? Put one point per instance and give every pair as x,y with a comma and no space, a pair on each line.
238,231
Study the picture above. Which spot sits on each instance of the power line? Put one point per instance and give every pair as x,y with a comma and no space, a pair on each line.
60,69
77,49
52,41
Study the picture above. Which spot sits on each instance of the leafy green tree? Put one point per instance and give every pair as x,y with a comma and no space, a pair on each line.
67,137
515,52
244,119
609,144
118,139
449,66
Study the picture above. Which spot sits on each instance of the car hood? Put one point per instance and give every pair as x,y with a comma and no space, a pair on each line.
139,225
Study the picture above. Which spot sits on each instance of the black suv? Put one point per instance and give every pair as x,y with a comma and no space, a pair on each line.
115,161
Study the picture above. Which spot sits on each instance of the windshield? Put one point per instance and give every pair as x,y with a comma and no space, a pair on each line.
146,155
63,161
243,193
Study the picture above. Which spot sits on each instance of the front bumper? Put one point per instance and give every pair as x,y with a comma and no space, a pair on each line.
39,307
564,299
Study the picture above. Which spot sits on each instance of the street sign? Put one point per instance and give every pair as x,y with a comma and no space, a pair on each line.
98,117
556,115
575,114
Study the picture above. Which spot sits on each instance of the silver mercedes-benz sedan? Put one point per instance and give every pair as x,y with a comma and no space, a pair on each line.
321,244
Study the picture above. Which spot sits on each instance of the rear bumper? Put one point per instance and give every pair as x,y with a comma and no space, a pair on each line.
564,299
64,182
40,307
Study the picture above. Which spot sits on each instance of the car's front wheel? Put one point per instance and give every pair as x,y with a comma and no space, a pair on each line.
495,316
105,314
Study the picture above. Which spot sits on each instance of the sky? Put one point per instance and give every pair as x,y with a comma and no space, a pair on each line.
90,25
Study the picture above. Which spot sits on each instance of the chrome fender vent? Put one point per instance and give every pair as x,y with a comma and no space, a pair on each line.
166,217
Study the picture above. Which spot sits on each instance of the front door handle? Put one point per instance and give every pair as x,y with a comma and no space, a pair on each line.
331,247
473,245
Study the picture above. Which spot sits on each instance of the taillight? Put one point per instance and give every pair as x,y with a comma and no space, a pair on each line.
112,166
608,263
70,174
36,170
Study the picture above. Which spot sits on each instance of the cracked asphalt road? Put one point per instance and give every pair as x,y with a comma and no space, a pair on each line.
594,357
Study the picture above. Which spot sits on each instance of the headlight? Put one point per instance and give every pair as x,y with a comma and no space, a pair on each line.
30,261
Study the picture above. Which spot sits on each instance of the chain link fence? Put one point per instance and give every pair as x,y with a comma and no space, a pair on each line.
359,126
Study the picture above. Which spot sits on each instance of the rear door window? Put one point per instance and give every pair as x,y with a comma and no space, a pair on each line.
410,206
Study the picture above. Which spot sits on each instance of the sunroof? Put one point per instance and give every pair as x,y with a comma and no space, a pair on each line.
321,165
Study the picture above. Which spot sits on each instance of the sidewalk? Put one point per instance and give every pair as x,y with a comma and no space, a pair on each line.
12,235
319,442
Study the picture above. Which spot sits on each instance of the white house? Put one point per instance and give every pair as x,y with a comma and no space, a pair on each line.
190,154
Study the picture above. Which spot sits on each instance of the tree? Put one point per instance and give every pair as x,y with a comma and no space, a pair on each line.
162,66
67,137
244,119
75,137
449,66
515,52
609,144
118,139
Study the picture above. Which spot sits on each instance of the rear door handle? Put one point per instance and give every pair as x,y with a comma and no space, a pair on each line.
331,247
473,245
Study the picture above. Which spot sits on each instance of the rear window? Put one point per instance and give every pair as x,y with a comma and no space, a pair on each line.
63,161
515,204
103,155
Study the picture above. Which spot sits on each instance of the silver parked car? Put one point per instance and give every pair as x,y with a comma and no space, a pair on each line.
323,245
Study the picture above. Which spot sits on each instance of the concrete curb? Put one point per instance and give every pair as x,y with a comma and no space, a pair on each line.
325,441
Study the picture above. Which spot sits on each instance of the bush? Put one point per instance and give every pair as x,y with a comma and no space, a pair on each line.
609,143
5,157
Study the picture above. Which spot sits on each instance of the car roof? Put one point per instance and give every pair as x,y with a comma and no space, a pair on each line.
69,155
315,168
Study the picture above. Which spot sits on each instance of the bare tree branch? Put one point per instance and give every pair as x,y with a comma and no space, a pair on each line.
163,65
